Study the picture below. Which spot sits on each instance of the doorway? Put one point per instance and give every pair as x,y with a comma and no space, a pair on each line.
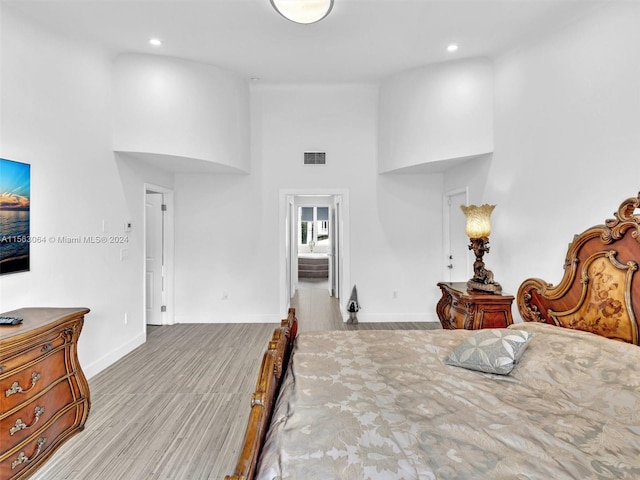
457,265
325,234
158,256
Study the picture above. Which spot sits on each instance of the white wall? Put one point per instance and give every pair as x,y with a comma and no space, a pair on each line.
472,174
135,175
437,112
228,227
181,108
56,112
567,143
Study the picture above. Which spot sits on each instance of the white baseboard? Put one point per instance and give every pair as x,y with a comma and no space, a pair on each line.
394,317
236,318
275,318
112,357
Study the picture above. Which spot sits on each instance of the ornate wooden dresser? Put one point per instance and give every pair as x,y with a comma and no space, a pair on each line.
461,308
44,396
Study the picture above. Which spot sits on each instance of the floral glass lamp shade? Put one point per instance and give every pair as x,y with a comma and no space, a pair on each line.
478,229
303,11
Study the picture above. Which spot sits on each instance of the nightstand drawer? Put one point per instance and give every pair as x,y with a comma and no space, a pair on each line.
492,316
455,315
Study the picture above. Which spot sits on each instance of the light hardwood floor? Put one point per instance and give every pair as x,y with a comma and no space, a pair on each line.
176,407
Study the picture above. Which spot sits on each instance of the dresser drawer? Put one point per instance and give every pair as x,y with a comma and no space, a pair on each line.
24,457
36,349
30,380
21,423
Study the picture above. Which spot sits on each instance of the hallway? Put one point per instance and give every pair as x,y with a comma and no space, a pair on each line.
315,309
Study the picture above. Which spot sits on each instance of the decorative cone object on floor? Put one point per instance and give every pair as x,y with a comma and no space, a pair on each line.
352,306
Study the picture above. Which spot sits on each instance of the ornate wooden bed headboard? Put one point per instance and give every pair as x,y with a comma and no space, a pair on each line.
600,290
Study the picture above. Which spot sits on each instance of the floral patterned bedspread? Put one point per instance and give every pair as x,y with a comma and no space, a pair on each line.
383,405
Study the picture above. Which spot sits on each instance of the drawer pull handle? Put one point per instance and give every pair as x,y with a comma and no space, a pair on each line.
46,348
20,425
16,388
22,458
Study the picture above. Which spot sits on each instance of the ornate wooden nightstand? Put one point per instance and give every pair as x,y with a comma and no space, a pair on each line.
461,308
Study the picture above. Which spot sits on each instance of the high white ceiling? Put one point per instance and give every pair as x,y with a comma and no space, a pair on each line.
360,41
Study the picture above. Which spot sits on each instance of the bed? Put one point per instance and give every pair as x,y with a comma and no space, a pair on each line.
554,397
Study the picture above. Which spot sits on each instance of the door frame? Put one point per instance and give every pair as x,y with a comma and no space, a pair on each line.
288,226
168,317
446,229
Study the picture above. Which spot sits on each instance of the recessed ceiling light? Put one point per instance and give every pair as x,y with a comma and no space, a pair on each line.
452,48
156,42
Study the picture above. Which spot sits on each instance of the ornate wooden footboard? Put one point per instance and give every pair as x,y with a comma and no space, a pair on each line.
272,370
599,291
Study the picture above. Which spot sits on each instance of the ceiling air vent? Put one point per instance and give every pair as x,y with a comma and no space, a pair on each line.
315,158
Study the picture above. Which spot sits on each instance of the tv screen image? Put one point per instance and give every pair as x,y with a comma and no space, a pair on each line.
15,203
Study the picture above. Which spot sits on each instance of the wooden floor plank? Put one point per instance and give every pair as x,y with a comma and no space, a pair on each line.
176,407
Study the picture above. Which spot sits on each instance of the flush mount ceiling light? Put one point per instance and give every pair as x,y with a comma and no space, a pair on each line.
303,11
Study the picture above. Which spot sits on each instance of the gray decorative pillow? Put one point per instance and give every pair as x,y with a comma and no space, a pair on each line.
493,350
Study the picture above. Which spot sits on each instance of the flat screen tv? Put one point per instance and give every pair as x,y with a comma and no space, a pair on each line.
15,203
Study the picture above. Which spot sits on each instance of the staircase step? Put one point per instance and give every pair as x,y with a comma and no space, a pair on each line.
313,274
313,261
313,267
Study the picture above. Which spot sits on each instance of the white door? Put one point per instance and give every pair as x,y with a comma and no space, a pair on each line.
331,252
457,248
154,261
291,248
336,245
